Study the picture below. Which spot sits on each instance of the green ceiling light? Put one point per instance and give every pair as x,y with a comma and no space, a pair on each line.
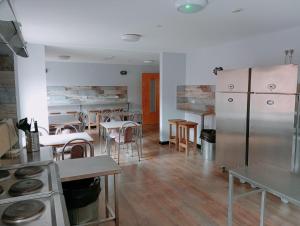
190,6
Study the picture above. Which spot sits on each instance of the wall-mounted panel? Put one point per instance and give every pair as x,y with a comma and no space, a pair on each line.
86,95
8,107
198,99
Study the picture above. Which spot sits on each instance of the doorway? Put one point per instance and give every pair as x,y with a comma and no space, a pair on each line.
150,98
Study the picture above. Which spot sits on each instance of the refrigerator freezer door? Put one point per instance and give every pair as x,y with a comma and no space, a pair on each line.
276,79
233,80
231,118
271,130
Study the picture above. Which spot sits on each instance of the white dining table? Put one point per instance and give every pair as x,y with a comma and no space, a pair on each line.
60,140
117,125
95,167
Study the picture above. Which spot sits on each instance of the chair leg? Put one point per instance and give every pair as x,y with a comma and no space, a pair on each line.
118,154
138,150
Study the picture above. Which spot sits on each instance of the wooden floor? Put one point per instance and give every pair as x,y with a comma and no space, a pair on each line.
168,188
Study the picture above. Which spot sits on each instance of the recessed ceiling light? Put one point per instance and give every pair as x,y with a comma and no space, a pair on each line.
64,57
190,6
237,10
131,37
148,61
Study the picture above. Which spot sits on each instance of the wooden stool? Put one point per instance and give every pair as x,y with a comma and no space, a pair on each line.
174,139
184,135
91,123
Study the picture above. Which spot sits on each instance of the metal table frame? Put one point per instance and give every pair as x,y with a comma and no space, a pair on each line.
261,186
99,166
110,214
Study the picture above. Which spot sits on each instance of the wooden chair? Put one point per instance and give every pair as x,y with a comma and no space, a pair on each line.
93,114
174,139
184,135
128,135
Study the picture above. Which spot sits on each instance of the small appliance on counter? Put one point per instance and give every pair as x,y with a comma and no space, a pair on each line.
32,134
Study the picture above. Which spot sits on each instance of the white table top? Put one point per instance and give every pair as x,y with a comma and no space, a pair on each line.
77,169
62,139
114,124
63,119
277,181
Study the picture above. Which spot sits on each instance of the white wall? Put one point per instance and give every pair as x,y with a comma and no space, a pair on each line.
260,50
81,74
31,89
172,74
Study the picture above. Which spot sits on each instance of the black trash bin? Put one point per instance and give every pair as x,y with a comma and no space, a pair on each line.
208,143
82,199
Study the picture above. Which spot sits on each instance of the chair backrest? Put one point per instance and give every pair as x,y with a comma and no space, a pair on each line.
43,131
105,116
137,117
83,118
79,151
66,129
129,132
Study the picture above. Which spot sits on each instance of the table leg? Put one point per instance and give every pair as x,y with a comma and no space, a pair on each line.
116,190
106,196
262,208
141,143
195,138
230,200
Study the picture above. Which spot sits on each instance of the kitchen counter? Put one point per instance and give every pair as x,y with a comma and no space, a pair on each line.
45,154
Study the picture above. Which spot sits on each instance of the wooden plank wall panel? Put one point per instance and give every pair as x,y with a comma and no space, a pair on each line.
8,106
198,99
86,95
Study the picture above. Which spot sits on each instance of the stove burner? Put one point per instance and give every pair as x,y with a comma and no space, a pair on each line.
1,190
28,171
25,187
4,174
23,211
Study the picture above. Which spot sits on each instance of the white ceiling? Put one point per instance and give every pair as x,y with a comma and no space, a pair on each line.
90,29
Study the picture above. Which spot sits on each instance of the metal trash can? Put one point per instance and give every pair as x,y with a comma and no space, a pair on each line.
82,200
208,144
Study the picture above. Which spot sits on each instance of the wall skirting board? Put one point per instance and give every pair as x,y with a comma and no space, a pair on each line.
167,142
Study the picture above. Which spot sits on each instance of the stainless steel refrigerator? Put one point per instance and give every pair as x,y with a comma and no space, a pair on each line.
255,116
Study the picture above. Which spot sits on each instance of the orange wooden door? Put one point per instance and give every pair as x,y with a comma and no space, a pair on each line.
150,98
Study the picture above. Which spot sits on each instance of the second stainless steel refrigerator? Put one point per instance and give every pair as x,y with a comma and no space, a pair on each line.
255,116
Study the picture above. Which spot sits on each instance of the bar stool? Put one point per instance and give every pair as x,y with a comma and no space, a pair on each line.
94,113
184,135
174,139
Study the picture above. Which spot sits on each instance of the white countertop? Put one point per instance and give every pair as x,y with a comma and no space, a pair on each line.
277,181
77,169
62,139
115,124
